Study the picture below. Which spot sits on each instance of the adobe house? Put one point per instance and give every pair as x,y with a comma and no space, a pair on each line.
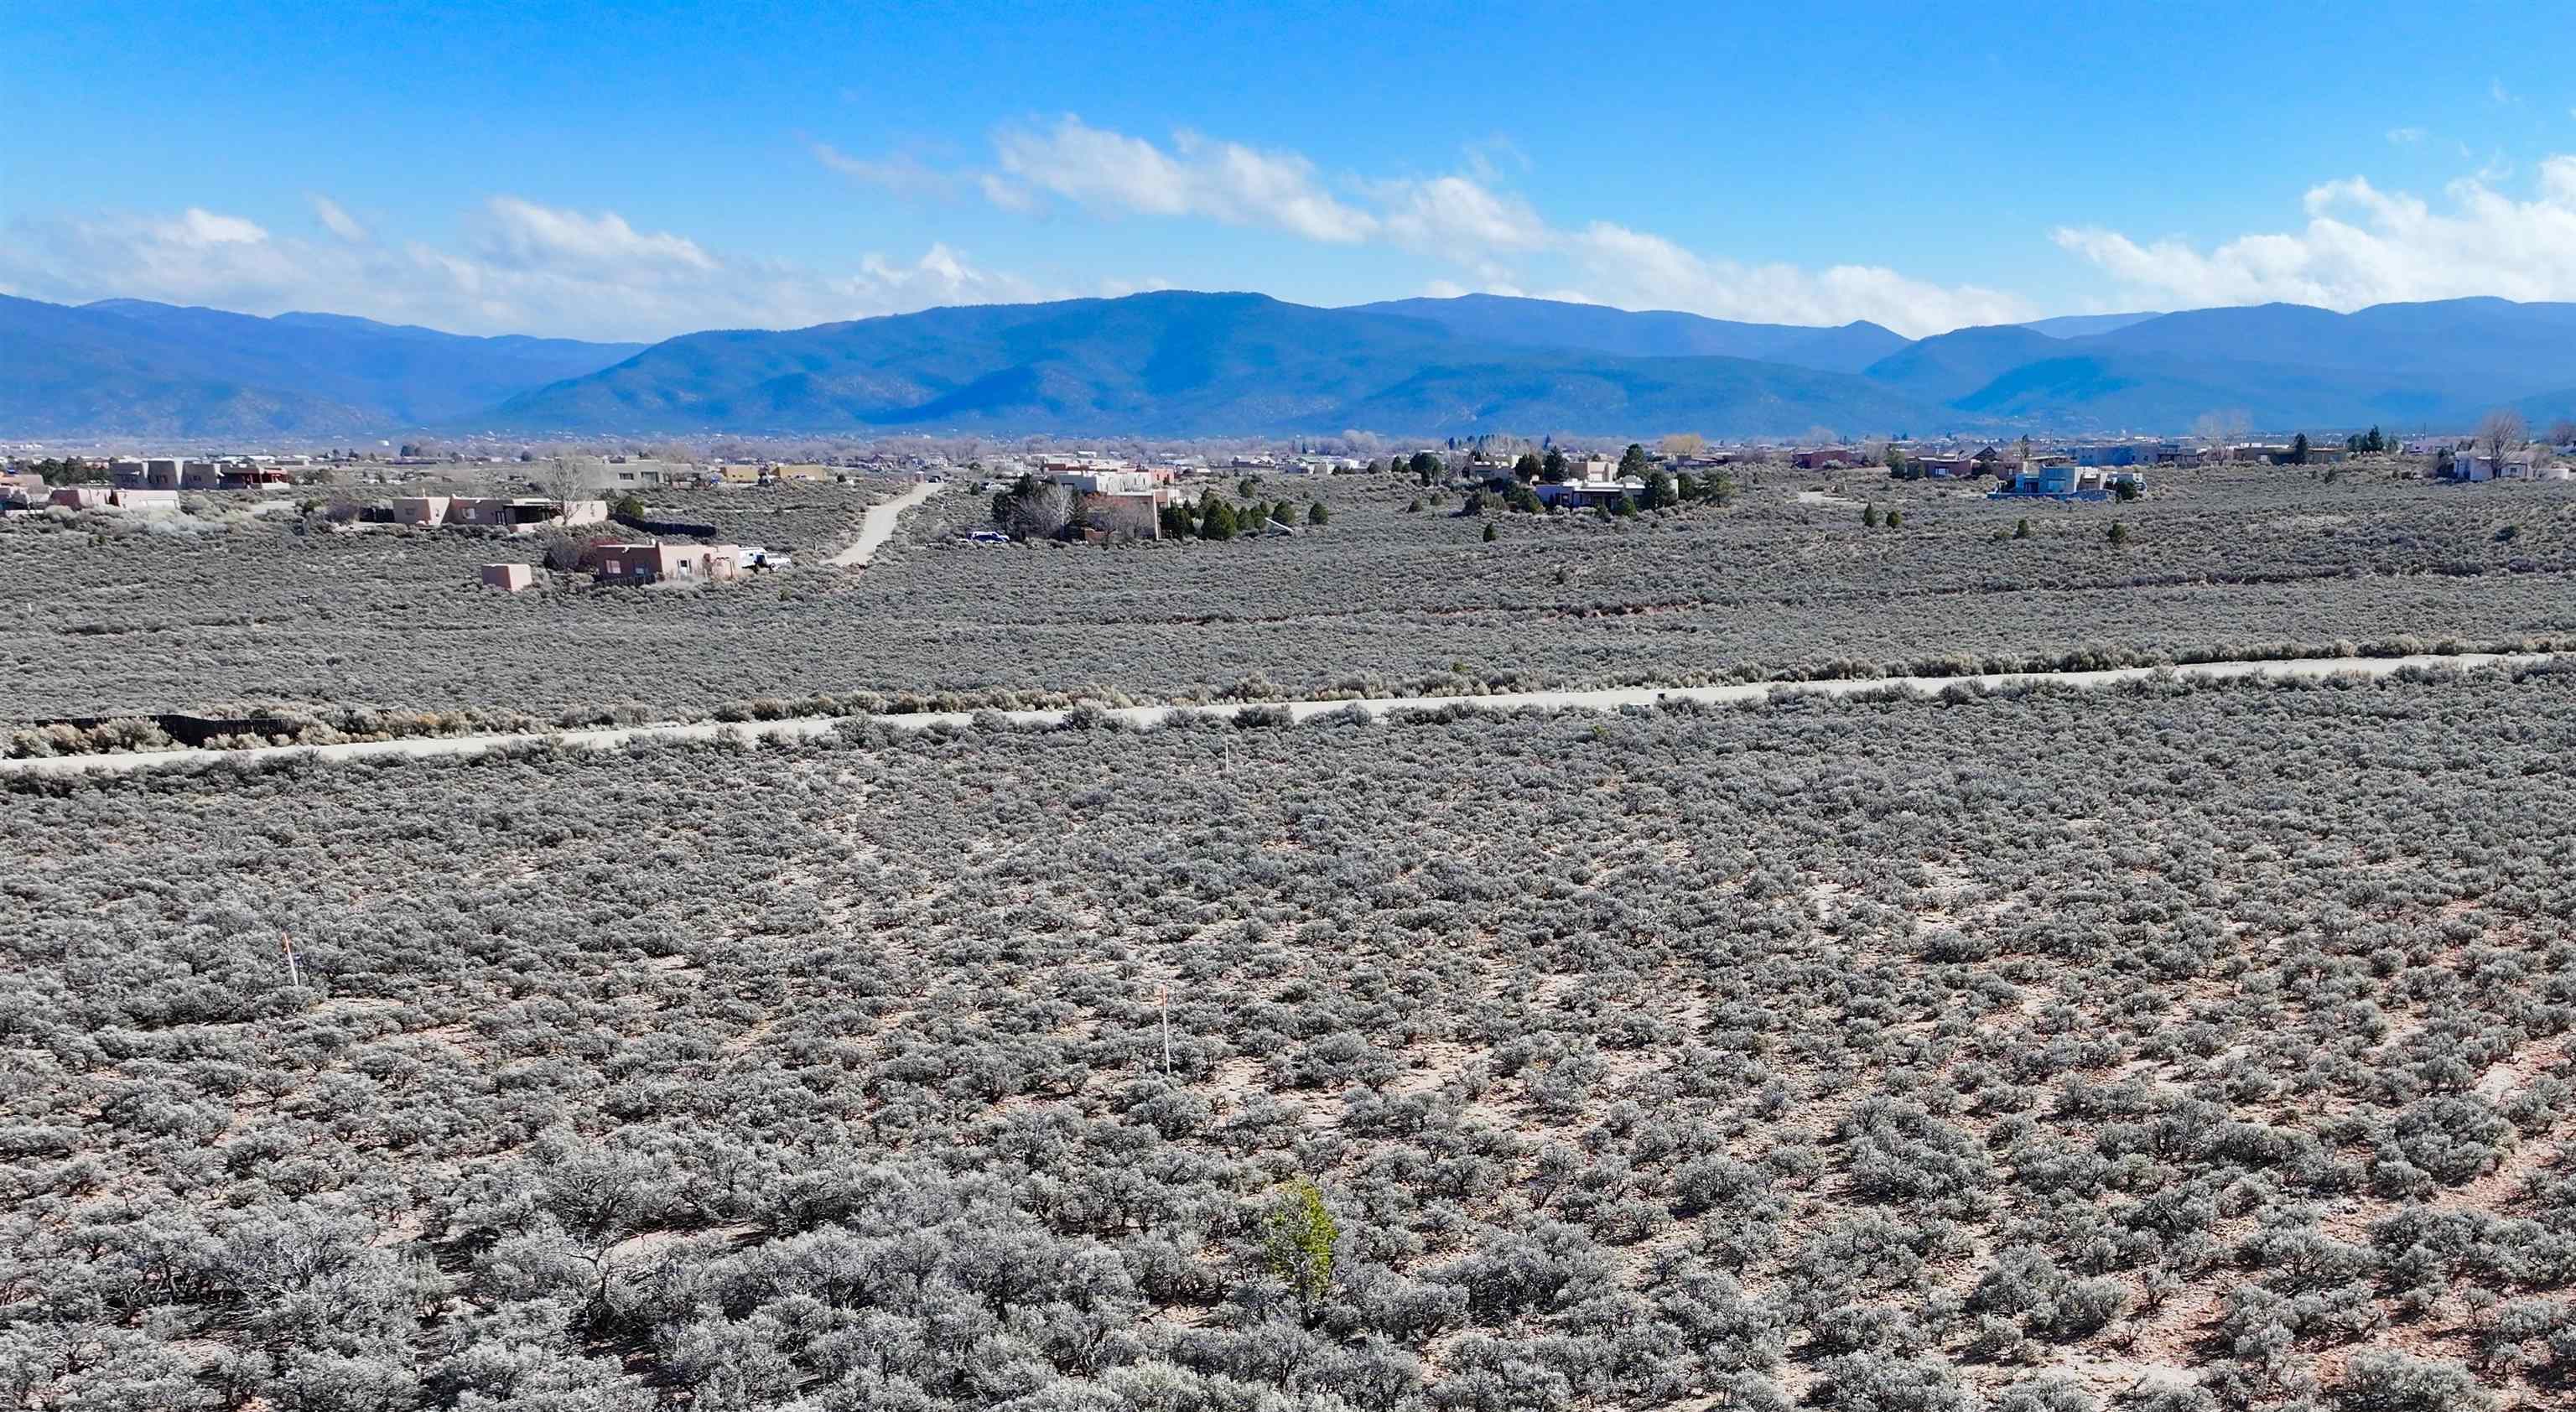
522,513
509,578
420,509
656,562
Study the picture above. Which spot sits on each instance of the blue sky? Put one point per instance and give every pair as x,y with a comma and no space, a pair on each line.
636,171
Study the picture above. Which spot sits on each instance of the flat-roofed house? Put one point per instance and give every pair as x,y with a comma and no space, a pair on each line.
655,562
1104,482
523,512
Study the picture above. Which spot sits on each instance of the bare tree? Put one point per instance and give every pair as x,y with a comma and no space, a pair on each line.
2500,431
2221,428
561,478
2562,432
1684,443
1037,510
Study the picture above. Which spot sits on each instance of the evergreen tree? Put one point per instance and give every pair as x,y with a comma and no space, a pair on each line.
1216,519
1490,535
1552,468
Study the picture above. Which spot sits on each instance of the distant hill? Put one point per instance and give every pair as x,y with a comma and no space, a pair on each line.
81,371
2138,392
2084,325
1955,364
2474,350
2285,365
1176,363
132,367
1597,328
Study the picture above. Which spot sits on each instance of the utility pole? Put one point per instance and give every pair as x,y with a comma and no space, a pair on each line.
286,944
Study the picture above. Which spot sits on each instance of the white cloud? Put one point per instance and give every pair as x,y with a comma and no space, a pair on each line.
901,173
2406,136
1634,269
197,229
523,267
521,232
1018,200
1459,218
1222,181
2363,246
1466,219
336,220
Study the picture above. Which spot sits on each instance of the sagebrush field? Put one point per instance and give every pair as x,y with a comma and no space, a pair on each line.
2169,1048
1384,600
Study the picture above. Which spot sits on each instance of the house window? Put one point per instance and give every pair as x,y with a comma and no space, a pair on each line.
613,567
684,568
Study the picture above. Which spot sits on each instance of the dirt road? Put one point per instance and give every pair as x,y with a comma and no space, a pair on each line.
605,738
877,522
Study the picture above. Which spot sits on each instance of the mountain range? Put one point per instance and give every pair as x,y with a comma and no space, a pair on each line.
133,368
1178,363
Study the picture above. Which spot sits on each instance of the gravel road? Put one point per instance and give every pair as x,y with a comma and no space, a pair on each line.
610,737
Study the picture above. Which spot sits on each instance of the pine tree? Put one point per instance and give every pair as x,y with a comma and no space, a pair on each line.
1299,1243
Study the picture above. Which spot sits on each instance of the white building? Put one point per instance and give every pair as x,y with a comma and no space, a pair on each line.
1105,482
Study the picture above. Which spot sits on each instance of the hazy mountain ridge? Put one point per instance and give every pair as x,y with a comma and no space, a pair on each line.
1179,363
1653,333
2086,325
133,367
